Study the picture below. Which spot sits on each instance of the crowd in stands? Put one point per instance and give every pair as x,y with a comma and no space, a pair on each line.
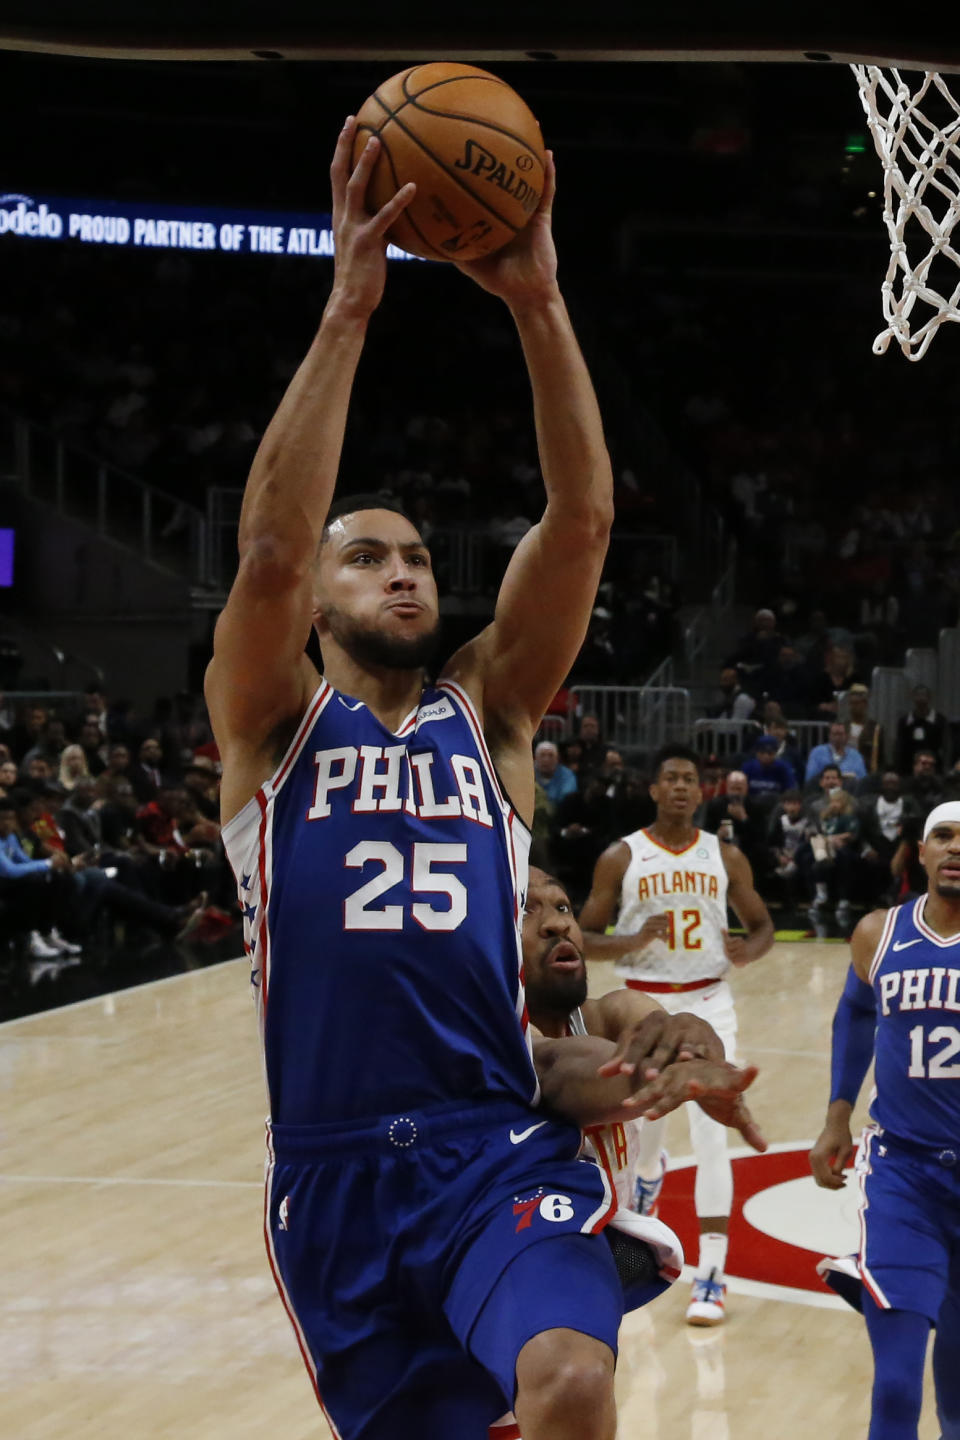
175,386
795,772
107,820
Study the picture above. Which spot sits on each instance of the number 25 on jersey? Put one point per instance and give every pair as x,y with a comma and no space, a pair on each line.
361,913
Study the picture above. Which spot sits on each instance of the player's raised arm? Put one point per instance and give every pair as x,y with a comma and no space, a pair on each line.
854,1027
258,679
749,909
551,582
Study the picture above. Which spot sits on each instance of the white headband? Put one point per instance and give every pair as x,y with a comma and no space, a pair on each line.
949,812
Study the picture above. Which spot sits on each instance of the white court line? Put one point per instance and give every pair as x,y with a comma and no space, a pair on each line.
128,1180
112,994
761,1289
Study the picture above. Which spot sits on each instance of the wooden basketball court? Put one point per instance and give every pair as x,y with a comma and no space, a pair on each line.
136,1299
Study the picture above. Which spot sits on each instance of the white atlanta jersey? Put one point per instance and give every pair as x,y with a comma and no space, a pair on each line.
614,1147
689,886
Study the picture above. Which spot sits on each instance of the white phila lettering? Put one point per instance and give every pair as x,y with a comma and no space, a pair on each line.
330,779
429,808
470,785
889,987
914,984
952,1002
386,781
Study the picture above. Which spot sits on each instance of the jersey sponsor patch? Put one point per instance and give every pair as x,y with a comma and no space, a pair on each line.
438,710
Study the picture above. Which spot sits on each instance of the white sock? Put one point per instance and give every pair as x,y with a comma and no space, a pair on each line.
821,890
651,1169
713,1255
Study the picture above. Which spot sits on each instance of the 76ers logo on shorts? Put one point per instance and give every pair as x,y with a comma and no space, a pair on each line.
555,1208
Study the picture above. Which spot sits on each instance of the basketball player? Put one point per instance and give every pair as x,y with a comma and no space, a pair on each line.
902,990
555,973
378,830
668,888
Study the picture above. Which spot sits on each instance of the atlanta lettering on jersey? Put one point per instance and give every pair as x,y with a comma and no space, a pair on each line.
371,779
932,988
683,882
616,1138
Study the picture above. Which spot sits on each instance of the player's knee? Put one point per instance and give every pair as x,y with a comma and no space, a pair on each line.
566,1390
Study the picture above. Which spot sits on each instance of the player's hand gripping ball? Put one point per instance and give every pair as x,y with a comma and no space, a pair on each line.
472,147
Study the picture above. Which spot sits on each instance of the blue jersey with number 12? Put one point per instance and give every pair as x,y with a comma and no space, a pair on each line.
915,976
382,878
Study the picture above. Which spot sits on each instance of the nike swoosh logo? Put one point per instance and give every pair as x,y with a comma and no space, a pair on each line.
356,706
905,944
516,1139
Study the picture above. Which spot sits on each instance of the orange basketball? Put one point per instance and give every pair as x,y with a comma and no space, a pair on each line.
472,146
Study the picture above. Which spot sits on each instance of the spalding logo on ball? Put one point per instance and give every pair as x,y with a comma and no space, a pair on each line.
472,147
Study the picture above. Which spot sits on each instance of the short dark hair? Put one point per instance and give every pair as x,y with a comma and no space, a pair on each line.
674,752
790,795
21,797
831,766
363,500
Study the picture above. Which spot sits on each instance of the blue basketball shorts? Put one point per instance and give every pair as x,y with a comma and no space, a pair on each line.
909,1222
411,1254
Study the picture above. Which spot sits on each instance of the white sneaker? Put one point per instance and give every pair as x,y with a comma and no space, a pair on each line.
706,1301
646,1193
66,947
41,949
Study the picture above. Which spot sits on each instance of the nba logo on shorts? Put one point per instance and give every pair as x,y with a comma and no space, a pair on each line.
284,1214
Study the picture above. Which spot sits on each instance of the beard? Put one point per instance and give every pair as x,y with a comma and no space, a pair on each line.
556,993
370,646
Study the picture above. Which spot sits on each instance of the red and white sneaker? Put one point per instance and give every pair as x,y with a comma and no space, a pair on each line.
706,1301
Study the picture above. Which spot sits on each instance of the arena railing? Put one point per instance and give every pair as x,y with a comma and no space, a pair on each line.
730,740
889,699
468,561
947,697
632,717
32,662
711,618
921,665
163,530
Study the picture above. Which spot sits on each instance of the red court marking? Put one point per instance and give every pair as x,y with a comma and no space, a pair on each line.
753,1255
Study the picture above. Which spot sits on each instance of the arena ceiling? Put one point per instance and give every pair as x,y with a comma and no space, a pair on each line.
505,30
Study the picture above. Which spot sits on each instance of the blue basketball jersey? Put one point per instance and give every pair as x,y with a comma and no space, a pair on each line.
382,879
915,975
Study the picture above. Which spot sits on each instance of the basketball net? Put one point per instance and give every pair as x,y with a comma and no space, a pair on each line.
921,183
